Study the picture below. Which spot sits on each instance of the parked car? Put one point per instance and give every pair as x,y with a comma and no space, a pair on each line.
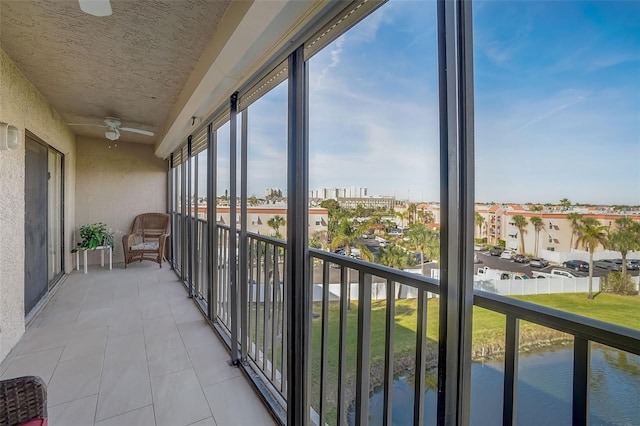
507,254
537,262
608,264
495,251
633,265
578,265
384,243
555,273
520,258
566,274
367,236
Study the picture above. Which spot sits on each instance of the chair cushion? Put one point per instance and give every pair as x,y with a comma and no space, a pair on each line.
145,246
34,422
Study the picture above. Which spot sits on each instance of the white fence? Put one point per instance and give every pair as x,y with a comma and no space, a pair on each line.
539,285
561,257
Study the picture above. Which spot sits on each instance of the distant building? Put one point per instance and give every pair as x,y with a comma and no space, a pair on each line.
368,202
272,193
335,193
557,233
258,218
350,198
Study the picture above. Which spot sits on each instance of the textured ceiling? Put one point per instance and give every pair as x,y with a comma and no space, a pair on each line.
131,65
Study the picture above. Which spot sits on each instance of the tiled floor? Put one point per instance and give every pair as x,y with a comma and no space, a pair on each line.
127,347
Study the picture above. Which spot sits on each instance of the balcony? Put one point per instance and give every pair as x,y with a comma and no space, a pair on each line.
356,311
128,347
291,335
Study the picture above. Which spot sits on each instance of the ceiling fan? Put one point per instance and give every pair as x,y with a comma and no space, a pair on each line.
96,7
112,125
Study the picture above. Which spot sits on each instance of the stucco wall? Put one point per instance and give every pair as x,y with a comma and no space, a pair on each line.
21,105
116,184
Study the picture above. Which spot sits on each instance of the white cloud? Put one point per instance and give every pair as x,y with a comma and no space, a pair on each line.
549,114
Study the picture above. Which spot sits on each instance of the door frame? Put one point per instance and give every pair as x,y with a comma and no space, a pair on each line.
57,278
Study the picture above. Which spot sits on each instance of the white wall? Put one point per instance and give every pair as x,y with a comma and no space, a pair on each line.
116,184
21,105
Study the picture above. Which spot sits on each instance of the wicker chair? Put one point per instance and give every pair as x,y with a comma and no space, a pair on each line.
147,239
22,400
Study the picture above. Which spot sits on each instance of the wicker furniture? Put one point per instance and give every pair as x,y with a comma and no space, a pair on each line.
147,239
23,399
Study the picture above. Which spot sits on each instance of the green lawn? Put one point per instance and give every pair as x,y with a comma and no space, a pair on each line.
488,335
621,310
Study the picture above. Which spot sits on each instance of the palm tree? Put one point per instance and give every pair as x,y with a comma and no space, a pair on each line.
425,240
402,215
479,220
574,219
394,257
276,222
412,210
426,216
347,234
626,238
521,223
592,234
565,203
538,225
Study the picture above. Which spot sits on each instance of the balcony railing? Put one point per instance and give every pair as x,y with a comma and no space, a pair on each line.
342,381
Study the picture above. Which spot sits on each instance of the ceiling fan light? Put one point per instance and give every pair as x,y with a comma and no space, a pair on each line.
112,135
96,7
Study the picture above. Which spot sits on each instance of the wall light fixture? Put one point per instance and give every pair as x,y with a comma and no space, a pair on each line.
9,137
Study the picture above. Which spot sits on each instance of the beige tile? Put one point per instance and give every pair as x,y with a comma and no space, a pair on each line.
58,318
148,294
129,302
206,422
75,379
167,356
127,323
85,342
39,339
78,412
154,309
160,328
171,290
223,399
128,348
124,387
41,364
211,363
97,304
141,417
93,318
187,313
196,333
178,399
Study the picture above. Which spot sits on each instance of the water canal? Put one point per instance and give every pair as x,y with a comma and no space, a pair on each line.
544,391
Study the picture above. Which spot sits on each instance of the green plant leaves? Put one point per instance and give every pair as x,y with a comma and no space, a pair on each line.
94,235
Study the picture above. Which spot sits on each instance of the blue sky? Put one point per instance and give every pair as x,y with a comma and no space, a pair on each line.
557,96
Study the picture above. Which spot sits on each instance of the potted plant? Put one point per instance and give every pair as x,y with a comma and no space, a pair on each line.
94,235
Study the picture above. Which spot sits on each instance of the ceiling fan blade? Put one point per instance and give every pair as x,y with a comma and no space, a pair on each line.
96,7
139,131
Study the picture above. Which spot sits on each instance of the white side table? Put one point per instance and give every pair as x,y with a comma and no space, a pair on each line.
102,249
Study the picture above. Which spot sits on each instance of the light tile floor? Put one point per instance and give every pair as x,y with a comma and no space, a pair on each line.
127,347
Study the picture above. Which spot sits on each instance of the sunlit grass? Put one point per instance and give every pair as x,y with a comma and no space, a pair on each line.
488,335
